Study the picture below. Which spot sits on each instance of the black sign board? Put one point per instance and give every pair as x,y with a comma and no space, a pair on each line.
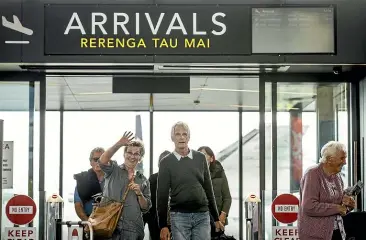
151,84
293,30
147,30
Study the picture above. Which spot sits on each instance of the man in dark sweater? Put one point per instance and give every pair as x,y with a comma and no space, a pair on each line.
186,175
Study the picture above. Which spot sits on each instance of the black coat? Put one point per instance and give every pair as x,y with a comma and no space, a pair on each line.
151,217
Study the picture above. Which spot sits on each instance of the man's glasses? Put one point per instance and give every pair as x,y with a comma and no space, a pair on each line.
95,159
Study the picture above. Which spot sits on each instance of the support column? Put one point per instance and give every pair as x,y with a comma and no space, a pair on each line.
325,116
42,158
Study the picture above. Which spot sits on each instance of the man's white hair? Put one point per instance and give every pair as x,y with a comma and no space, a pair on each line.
330,149
180,124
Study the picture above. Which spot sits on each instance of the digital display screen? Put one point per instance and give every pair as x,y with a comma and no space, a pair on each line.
293,30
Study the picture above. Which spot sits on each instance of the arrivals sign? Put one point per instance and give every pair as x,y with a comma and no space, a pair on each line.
147,30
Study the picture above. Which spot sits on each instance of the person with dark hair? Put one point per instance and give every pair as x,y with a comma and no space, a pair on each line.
88,183
220,185
151,218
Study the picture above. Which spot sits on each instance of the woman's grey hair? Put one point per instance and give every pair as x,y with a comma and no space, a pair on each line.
331,149
180,124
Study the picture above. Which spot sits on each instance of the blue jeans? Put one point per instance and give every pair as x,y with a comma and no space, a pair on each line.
190,226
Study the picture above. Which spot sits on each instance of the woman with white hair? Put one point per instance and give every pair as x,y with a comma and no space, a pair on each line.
322,198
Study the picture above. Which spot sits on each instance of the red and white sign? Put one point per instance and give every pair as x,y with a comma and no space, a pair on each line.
21,233
285,208
21,209
285,233
75,233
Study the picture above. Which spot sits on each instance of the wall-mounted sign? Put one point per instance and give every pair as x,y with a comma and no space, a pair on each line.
285,208
10,49
285,30
8,164
285,233
147,30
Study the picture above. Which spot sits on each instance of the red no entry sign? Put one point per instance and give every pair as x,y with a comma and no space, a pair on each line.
21,210
285,208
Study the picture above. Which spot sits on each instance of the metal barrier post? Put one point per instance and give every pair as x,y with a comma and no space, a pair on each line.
54,215
251,202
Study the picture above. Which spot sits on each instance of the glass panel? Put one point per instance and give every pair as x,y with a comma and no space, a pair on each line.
14,110
52,155
311,114
308,116
219,131
342,124
268,156
84,131
52,148
251,165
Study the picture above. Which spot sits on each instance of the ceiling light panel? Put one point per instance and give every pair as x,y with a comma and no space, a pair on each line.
113,97
89,80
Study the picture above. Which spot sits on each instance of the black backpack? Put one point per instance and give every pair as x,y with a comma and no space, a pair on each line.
222,236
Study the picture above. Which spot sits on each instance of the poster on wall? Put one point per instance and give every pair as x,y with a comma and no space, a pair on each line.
8,157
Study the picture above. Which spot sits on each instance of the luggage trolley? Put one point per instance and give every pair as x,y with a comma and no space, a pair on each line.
54,221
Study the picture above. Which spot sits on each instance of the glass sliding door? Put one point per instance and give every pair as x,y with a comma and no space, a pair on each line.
17,112
302,117
308,116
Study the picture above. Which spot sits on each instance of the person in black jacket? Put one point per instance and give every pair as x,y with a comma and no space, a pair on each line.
151,217
220,185
88,183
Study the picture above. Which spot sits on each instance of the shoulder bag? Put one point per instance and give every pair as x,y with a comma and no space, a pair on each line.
105,216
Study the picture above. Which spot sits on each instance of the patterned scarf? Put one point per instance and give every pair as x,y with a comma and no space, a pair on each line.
338,221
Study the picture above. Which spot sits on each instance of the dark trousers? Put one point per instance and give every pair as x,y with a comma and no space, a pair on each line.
154,229
336,235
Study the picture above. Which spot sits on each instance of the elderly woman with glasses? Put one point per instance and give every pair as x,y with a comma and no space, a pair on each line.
119,179
322,198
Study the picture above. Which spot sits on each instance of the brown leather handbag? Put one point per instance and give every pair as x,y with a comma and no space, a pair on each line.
105,216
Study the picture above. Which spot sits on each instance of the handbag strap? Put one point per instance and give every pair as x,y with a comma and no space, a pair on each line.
123,197
125,193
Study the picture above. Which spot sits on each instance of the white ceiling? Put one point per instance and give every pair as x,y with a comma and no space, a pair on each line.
94,93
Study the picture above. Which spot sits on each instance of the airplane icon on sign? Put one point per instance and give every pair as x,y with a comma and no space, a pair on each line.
17,26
